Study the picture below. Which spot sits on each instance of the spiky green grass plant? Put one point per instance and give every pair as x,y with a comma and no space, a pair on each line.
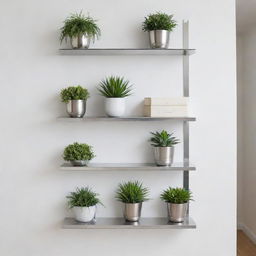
78,24
176,195
115,87
83,197
159,21
132,192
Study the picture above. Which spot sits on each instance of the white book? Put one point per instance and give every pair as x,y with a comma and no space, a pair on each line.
177,101
165,111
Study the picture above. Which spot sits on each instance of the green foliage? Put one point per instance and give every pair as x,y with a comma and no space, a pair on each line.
74,93
83,197
159,21
132,192
78,151
163,139
77,24
115,87
176,195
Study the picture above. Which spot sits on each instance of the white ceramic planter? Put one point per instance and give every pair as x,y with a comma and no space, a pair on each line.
84,214
115,107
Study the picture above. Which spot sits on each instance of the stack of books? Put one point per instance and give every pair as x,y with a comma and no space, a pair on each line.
166,107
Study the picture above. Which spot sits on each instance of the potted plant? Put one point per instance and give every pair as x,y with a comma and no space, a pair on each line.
132,194
159,26
80,30
75,97
78,154
83,202
163,144
115,89
177,203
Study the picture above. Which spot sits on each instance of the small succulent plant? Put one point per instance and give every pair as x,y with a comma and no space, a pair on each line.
163,139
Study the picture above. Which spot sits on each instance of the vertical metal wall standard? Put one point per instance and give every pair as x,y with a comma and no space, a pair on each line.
186,94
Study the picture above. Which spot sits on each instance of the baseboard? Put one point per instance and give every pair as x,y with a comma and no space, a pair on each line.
247,231
239,226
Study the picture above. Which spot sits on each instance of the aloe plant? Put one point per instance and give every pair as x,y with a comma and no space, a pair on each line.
163,139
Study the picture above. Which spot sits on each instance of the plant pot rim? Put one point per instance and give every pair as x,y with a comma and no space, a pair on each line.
79,160
134,203
176,203
164,147
115,97
80,34
84,206
159,30
76,100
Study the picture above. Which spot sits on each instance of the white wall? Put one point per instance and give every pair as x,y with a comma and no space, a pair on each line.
246,130
33,190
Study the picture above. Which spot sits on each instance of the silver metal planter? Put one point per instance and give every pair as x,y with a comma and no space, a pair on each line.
164,155
81,41
76,108
79,162
132,212
159,38
177,212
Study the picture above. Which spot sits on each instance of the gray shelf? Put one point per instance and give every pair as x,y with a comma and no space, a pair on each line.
126,51
128,167
129,118
119,223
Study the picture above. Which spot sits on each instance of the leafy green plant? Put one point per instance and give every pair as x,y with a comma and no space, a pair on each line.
159,21
74,93
83,197
78,24
78,151
132,192
115,87
163,139
176,195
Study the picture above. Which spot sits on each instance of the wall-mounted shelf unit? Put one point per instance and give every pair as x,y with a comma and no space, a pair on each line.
131,118
119,223
124,51
128,167
185,167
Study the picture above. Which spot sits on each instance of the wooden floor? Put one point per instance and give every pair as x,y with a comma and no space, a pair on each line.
245,247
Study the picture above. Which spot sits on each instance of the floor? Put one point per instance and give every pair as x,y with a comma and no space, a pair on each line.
244,245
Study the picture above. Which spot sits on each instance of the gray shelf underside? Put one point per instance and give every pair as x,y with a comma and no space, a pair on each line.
119,223
115,51
128,167
131,118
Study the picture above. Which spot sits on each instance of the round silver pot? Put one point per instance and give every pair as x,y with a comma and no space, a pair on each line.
76,108
79,162
177,212
159,38
132,212
164,155
81,41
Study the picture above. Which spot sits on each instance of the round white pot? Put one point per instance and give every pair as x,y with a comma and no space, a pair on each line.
115,107
84,214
